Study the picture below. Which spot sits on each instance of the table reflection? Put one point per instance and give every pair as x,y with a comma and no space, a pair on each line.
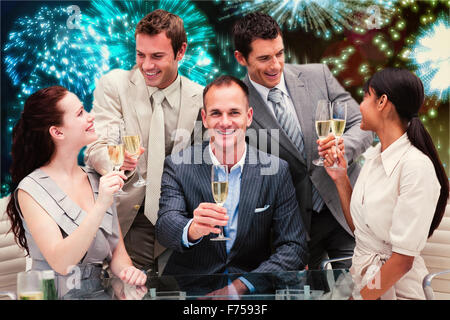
292,285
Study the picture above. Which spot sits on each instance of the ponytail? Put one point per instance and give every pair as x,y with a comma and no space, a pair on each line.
405,90
32,147
421,139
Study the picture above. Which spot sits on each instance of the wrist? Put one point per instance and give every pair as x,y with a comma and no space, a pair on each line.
240,286
101,205
192,234
341,180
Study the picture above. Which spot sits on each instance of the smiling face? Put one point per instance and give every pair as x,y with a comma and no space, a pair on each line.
227,115
265,61
78,124
155,58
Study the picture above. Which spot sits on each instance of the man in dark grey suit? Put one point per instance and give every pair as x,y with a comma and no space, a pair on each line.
260,215
284,97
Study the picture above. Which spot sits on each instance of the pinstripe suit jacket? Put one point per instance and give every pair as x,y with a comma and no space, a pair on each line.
266,241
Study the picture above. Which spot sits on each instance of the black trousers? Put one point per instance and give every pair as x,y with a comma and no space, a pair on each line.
328,240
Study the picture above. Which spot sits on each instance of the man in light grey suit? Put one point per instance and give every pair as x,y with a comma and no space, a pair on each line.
159,105
285,97
260,215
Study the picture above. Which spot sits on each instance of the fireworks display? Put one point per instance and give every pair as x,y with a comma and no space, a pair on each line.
321,17
430,55
74,45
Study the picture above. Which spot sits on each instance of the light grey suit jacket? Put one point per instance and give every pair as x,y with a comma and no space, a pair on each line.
122,94
307,84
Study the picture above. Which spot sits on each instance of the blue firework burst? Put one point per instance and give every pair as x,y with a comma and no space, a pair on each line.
114,23
430,57
323,17
42,49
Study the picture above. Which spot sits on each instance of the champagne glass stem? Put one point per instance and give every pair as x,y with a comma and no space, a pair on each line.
221,235
141,181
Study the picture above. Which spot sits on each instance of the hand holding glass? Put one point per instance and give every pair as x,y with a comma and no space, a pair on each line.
338,124
132,142
323,123
219,185
116,151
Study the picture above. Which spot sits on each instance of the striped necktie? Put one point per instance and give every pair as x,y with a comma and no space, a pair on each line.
293,131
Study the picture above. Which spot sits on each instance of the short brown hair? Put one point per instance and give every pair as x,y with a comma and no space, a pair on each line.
255,25
160,20
225,81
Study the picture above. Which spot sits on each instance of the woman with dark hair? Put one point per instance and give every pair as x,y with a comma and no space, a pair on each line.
401,193
61,213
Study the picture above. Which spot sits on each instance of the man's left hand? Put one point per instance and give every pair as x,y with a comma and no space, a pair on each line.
235,289
326,144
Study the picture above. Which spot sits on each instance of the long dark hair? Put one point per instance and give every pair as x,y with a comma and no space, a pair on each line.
32,146
405,91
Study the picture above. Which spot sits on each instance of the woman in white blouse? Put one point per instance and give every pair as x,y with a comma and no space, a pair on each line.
400,195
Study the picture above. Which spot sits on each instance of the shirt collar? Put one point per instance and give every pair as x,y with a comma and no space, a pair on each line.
391,156
169,92
264,91
240,163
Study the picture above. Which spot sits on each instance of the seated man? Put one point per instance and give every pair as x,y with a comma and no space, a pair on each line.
260,215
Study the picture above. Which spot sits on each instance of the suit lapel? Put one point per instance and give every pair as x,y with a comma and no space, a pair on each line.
305,110
139,101
250,186
265,118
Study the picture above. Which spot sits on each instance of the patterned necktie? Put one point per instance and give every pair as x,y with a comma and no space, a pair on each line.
293,131
155,155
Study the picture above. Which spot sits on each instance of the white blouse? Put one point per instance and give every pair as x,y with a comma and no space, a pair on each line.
392,207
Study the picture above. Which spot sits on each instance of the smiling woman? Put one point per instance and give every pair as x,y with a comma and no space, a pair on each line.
62,214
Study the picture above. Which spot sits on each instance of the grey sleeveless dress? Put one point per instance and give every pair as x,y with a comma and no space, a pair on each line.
68,215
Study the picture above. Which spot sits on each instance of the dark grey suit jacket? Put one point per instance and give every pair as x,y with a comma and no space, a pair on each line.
278,228
307,84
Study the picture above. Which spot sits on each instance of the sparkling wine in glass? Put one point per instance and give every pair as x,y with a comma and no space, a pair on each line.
29,285
116,150
219,186
339,116
132,144
323,124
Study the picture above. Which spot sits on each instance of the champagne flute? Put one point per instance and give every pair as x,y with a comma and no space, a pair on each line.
219,185
338,121
132,142
323,124
116,151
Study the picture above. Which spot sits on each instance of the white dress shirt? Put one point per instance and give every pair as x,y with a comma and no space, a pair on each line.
264,93
392,206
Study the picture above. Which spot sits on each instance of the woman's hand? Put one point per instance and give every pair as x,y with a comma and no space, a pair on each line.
108,185
133,276
336,155
124,291
325,145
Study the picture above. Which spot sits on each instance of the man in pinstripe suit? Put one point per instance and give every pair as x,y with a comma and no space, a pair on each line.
260,215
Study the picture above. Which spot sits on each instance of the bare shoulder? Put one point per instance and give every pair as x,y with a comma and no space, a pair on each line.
28,205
